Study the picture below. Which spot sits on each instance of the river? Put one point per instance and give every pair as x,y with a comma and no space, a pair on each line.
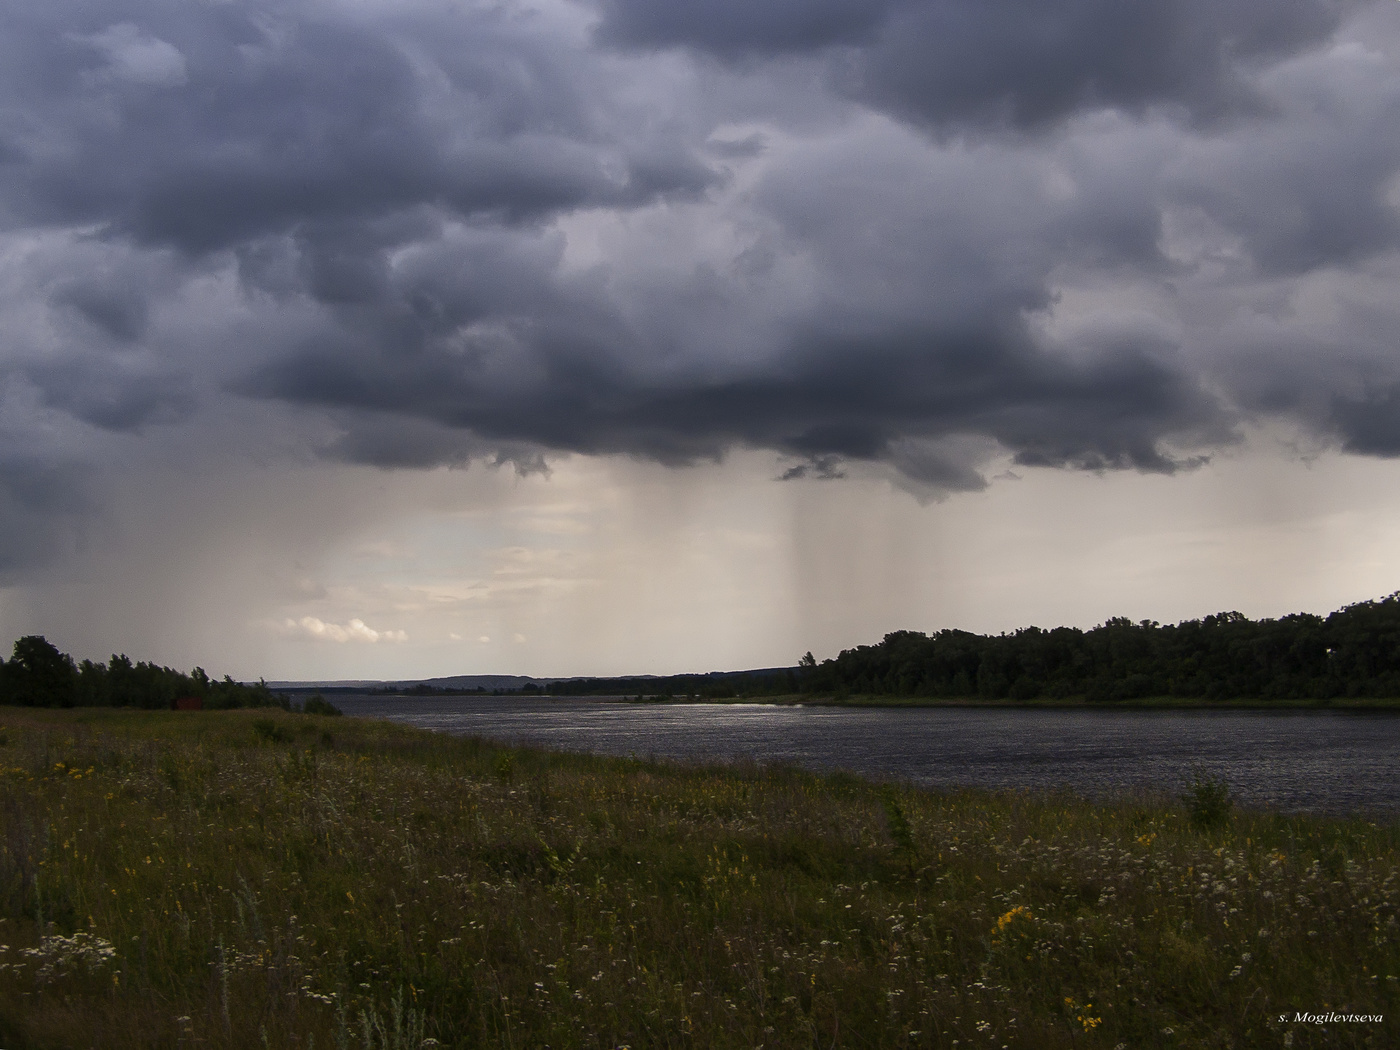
1296,761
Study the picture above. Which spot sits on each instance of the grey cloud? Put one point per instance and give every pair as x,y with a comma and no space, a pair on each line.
572,376
286,116
43,503
38,486
396,442
112,397
96,331
926,466
734,149
120,312
135,56
734,28
824,468
923,271
386,215
1021,63
393,442
1312,185
1370,425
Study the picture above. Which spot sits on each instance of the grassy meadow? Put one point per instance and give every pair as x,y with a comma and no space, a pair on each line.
253,878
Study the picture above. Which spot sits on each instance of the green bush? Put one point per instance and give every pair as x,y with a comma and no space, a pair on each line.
269,732
898,824
1208,800
319,705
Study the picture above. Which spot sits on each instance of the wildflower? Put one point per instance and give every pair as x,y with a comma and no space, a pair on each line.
57,953
1007,919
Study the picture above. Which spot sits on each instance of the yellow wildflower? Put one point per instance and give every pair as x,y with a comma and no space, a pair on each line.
1006,920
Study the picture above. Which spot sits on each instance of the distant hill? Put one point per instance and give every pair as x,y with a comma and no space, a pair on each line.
340,683
712,683
764,681
460,681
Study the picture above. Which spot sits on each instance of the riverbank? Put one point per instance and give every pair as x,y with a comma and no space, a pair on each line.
239,879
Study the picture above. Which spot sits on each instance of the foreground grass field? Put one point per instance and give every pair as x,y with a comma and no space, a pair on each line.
249,879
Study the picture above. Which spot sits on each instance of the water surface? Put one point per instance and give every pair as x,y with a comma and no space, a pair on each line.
1321,761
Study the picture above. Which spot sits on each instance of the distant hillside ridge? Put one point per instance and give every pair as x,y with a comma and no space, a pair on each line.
766,681
712,685
1351,653
454,683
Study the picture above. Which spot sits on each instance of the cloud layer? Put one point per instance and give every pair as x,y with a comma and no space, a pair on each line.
924,236
1020,63
354,631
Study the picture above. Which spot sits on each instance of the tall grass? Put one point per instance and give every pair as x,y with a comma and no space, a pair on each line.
241,879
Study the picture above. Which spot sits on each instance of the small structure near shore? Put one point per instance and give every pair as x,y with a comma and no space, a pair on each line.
187,703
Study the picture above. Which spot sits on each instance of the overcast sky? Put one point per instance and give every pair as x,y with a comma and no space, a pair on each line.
371,339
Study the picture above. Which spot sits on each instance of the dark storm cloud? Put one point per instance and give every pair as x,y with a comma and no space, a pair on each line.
1306,194
861,405
734,28
1024,63
926,271
118,311
113,398
1370,426
394,442
573,374
204,126
479,232
42,504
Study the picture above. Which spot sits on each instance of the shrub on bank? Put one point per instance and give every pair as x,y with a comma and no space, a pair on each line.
319,705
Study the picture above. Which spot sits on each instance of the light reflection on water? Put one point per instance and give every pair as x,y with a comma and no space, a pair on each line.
1293,760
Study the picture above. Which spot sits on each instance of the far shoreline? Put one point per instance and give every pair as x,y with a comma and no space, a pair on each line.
1353,704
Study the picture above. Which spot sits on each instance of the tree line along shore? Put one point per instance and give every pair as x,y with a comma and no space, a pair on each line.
38,674
1351,655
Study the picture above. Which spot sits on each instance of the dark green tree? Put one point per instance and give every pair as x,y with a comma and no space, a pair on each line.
1354,652
38,675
